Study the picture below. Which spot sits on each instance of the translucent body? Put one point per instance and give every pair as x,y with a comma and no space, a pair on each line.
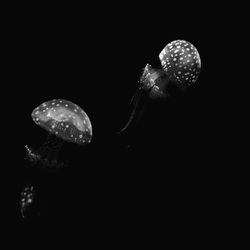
152,85
65,119
181,61
154,81
26,200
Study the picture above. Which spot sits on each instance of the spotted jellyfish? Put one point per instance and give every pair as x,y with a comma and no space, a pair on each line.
64,121
181,65
27,204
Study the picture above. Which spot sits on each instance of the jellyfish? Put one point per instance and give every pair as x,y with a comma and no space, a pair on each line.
64,121
27,200
180,67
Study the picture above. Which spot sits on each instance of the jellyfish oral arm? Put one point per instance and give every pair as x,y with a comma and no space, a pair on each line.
148,77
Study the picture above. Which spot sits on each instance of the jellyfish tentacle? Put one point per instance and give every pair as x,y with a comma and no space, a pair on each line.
147,82
135,100
47,154
138,108
134,97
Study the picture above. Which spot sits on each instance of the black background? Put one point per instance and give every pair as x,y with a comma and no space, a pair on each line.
94,56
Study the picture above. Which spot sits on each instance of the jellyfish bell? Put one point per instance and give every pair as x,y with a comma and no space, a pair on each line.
64,121
181,62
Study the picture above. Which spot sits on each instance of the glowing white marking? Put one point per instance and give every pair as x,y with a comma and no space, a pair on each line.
62,115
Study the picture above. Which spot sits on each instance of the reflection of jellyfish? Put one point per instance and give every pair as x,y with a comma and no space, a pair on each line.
181,66
65,121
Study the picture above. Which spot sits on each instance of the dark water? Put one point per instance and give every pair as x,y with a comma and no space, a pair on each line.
160,171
